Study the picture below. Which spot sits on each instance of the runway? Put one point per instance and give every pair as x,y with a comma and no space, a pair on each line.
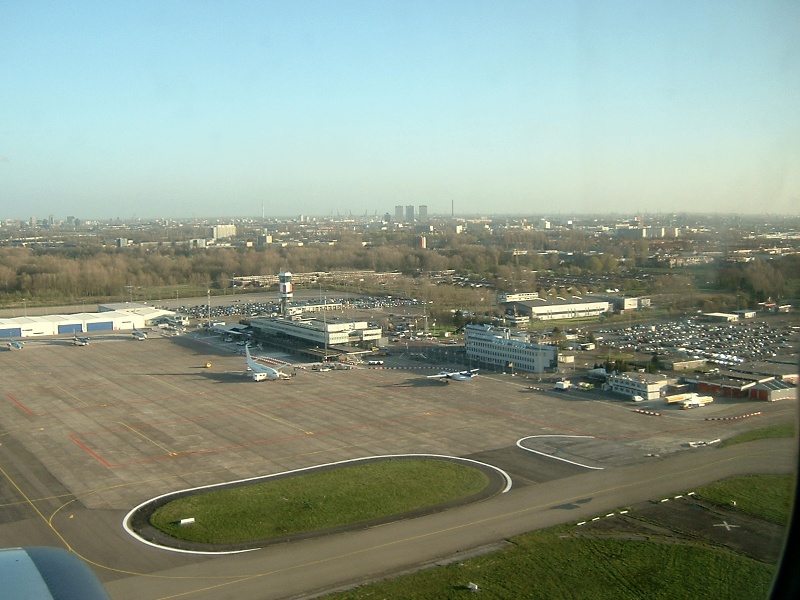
304,568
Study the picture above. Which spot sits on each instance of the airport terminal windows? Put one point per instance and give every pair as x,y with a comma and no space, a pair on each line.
497,347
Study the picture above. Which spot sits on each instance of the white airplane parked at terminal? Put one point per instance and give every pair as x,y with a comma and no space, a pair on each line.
261,372
80,341
139,335
455,375
15,345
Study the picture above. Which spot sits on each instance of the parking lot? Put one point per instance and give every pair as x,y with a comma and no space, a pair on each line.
727,344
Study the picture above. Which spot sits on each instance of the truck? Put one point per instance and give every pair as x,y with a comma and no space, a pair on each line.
562,385
697,402
678,398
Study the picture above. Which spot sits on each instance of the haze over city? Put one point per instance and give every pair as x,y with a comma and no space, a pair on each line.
227,109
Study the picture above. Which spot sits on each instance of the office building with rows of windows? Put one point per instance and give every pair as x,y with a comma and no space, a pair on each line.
496,346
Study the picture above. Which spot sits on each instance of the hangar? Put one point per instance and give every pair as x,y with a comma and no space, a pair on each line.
84,322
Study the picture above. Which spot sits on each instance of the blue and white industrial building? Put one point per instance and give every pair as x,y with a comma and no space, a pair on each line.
122,317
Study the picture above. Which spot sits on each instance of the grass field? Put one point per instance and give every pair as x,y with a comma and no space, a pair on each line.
783,430
560,562
768,497
556,563
553,564
318,501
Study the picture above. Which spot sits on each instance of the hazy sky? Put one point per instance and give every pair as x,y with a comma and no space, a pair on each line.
170,109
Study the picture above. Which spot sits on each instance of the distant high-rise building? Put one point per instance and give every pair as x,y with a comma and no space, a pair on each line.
223,231
423,242
410,213
398,213
423,212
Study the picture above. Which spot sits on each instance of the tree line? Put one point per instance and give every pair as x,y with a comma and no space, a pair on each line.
95,272
57,274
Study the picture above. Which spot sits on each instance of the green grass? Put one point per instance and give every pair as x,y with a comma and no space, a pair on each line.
552,564
783,430
318,500
557,563
768,497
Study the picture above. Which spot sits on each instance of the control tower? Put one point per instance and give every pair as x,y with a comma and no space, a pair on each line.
285,289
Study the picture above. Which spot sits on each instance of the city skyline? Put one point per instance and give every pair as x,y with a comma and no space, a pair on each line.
218,109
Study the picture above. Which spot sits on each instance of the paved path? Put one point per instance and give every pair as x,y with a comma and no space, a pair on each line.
307,567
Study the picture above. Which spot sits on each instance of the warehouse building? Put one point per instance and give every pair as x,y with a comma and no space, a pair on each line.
49,325
621,304
545,309
644,385
496,346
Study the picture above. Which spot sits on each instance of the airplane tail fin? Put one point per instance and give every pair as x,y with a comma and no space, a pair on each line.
250,361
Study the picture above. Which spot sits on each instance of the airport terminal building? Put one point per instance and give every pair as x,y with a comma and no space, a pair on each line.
333,331
497,346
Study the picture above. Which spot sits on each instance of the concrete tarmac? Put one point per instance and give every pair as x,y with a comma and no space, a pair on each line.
87,433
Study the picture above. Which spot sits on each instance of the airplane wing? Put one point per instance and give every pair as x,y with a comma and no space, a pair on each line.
441,375
41,572
455,375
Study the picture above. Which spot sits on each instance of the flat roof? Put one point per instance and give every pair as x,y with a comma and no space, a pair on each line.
558,301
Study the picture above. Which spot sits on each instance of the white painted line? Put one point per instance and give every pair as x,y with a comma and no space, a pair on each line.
572,462
582,523
132,533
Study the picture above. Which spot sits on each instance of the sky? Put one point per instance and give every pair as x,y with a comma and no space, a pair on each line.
223,109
